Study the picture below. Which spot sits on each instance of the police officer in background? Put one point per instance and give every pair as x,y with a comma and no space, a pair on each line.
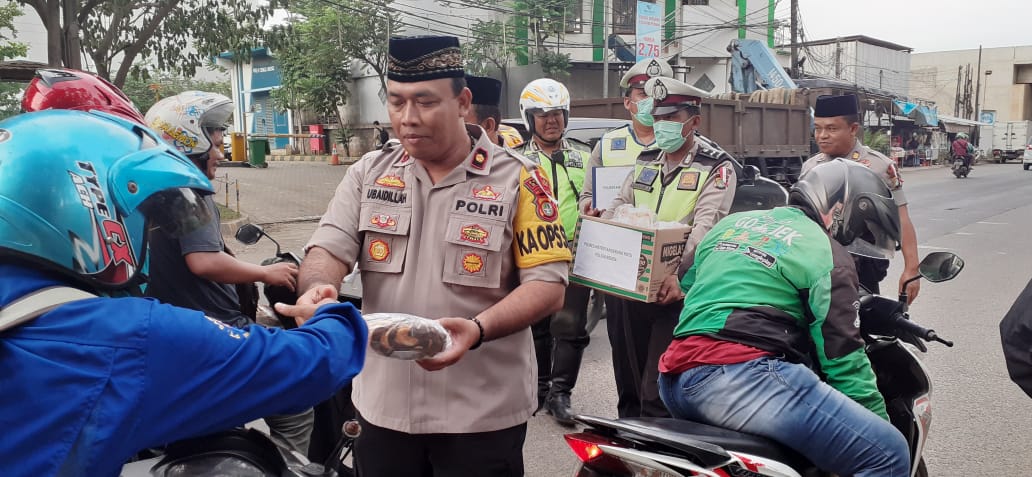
836,128
486,113
621,146
444,227
559,340
688,180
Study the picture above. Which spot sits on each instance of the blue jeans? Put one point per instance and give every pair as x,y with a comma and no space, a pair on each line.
788,403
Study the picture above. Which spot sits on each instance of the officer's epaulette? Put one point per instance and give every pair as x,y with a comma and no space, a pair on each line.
649,155
527,162
709,152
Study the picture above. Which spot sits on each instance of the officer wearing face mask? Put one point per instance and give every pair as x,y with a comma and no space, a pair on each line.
687,180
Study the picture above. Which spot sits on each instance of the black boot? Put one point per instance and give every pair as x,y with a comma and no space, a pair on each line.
558,406
566,361
543,352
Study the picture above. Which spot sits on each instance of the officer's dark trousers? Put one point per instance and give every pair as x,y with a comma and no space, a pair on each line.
381,452
559,342
639,334
870,272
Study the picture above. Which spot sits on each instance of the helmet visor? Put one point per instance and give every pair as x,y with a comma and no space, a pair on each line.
217,117
177,212
875,243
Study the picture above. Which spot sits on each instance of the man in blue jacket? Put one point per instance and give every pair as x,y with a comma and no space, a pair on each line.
90,374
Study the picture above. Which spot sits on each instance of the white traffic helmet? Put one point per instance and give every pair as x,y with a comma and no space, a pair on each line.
543,95
187,119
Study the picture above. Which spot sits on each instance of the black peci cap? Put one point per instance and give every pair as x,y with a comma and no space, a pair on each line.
424,58
486,91
828,106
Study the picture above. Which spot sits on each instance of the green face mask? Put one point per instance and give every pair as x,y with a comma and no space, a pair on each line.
644,114
668,135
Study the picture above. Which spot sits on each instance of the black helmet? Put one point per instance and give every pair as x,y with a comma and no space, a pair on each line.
864,218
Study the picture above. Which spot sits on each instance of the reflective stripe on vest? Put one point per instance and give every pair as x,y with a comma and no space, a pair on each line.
624,156
670,203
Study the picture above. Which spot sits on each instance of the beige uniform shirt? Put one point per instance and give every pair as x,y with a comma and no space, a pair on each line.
454,248
715,196
875,161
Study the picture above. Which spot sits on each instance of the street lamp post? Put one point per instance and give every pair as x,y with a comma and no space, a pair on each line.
985,92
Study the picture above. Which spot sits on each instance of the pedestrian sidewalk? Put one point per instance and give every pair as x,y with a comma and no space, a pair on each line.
309,158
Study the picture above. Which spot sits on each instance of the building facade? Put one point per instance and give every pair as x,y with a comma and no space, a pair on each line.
1002,87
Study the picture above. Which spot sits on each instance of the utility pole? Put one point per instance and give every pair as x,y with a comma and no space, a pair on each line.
605,49
978,82
794,69
956,101
838,58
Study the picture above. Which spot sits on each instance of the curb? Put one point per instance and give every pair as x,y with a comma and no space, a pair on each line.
309,158
229,227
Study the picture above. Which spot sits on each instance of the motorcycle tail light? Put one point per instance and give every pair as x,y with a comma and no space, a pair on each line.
585,446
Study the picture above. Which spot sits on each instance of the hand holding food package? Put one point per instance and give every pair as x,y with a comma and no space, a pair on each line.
403,336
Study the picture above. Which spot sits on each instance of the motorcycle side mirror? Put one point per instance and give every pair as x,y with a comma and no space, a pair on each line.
940,266
249,234
749,174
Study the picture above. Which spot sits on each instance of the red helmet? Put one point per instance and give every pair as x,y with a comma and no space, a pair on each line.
71,89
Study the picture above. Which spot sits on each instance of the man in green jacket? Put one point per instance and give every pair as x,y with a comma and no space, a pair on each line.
560,339
741,349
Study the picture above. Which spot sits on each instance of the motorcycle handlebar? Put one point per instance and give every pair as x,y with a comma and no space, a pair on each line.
901,322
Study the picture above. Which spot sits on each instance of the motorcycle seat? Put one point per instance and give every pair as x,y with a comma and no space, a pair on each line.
680,433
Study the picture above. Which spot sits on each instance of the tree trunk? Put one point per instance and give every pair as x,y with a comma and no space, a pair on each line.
53,23
71,44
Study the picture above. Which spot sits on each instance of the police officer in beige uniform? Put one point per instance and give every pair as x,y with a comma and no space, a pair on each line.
688,180
451,227
623,145
837,130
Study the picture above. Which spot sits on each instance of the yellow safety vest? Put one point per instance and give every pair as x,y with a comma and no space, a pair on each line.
621,148
673,201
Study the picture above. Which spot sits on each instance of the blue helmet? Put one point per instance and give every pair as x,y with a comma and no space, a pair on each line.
79,192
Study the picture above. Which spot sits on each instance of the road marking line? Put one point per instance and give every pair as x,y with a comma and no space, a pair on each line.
963,233
993,223
934,247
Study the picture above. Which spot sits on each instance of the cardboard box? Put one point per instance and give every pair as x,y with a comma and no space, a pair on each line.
625,260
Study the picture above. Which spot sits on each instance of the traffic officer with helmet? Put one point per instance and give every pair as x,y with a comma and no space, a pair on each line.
621,146
837,131
687,179
560,339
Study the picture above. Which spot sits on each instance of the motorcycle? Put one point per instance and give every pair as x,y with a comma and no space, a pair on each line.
664,447
960,167
236,452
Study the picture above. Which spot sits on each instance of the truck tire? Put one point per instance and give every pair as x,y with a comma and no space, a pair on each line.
1026,166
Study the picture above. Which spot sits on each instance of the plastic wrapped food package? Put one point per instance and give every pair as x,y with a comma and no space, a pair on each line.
636,216
404,336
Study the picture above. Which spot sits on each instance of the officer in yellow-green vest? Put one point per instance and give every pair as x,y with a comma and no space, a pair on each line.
621,146
688,180
559,340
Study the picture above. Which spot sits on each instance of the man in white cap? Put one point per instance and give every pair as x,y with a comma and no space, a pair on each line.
685,179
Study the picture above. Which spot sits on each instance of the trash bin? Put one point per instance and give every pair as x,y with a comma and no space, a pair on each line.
238,147
256,151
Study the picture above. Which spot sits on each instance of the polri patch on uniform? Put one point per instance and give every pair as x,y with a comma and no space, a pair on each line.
720,181
574,160
856,155
485,193
379,250
384,221
472,263
645,179
474,233
391,180
479,159
618,144
689,181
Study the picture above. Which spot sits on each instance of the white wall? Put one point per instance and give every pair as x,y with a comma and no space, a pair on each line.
935,77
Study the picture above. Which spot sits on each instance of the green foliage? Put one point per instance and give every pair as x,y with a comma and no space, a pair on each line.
168,36
492,45
555,65
494,42
877,140
546,19
9,49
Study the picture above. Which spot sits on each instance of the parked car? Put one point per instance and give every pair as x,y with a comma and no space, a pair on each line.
1026,159
585,131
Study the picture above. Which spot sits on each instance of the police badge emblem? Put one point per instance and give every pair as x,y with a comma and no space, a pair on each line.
653,69
659,91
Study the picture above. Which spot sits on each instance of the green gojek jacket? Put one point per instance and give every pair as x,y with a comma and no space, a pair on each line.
775,280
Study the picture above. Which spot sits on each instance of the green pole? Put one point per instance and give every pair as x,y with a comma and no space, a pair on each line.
670,17
522,54
742,11
598,39
770,23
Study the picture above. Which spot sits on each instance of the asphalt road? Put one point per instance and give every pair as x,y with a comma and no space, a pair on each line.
982,423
